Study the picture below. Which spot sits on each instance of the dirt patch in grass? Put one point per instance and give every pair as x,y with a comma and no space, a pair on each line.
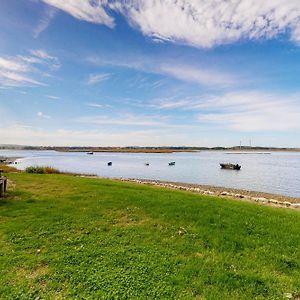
31,275
126,219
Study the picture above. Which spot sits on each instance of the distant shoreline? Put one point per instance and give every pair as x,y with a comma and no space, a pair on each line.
129,150
136,149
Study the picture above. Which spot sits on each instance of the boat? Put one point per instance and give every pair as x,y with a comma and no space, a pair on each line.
172,163
109,163
230,166
90,153
147,164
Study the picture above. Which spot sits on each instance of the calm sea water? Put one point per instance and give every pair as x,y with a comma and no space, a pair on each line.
278,172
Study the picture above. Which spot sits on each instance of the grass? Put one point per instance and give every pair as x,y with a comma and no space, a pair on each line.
65,237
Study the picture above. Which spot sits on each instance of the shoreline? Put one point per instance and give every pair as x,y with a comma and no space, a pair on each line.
261,198
127,151
9,160
261,150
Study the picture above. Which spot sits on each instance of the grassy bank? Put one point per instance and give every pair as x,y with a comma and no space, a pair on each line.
69,237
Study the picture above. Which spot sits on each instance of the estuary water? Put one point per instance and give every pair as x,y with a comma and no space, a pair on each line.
276,172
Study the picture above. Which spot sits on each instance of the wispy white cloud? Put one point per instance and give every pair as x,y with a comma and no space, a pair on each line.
14,72
197,74
173,103
42,115
96,78
45,58
202,76
96,105
253,111
240,111
53,97
23,70
44,22
86,10
125,120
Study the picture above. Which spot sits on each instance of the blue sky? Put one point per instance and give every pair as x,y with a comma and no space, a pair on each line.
150,73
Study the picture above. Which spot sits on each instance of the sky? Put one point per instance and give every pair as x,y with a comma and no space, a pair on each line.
150,72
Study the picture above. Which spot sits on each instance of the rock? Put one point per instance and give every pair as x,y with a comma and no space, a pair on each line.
182,231
295,205
224,193
239,196
261,199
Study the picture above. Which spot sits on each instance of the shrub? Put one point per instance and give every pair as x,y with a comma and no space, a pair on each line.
35,170
51,170
41,170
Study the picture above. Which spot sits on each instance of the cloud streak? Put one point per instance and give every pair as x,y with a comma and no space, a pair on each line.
96,78
254,112
22,70
199,75
85,10
127,120
42,115
241,111
44,22
202,76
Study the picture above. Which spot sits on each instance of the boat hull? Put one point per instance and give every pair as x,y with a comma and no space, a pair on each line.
230,166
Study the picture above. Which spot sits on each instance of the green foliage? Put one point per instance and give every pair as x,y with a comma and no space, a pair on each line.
64,237
41,170
35,170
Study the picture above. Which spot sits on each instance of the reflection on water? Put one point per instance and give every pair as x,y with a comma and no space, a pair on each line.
278,172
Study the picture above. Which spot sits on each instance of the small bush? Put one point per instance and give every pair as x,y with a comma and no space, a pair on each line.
35,170
51,170
41,170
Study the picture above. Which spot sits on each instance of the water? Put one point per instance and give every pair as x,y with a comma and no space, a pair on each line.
278,172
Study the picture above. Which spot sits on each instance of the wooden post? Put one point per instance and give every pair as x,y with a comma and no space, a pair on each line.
1,187
3,184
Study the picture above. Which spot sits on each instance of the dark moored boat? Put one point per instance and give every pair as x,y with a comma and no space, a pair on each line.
147,164
172,163
109,163
90,153
230,166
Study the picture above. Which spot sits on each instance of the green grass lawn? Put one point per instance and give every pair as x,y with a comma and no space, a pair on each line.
65,237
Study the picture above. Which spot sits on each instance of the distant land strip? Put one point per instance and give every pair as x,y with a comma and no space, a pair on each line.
164,149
